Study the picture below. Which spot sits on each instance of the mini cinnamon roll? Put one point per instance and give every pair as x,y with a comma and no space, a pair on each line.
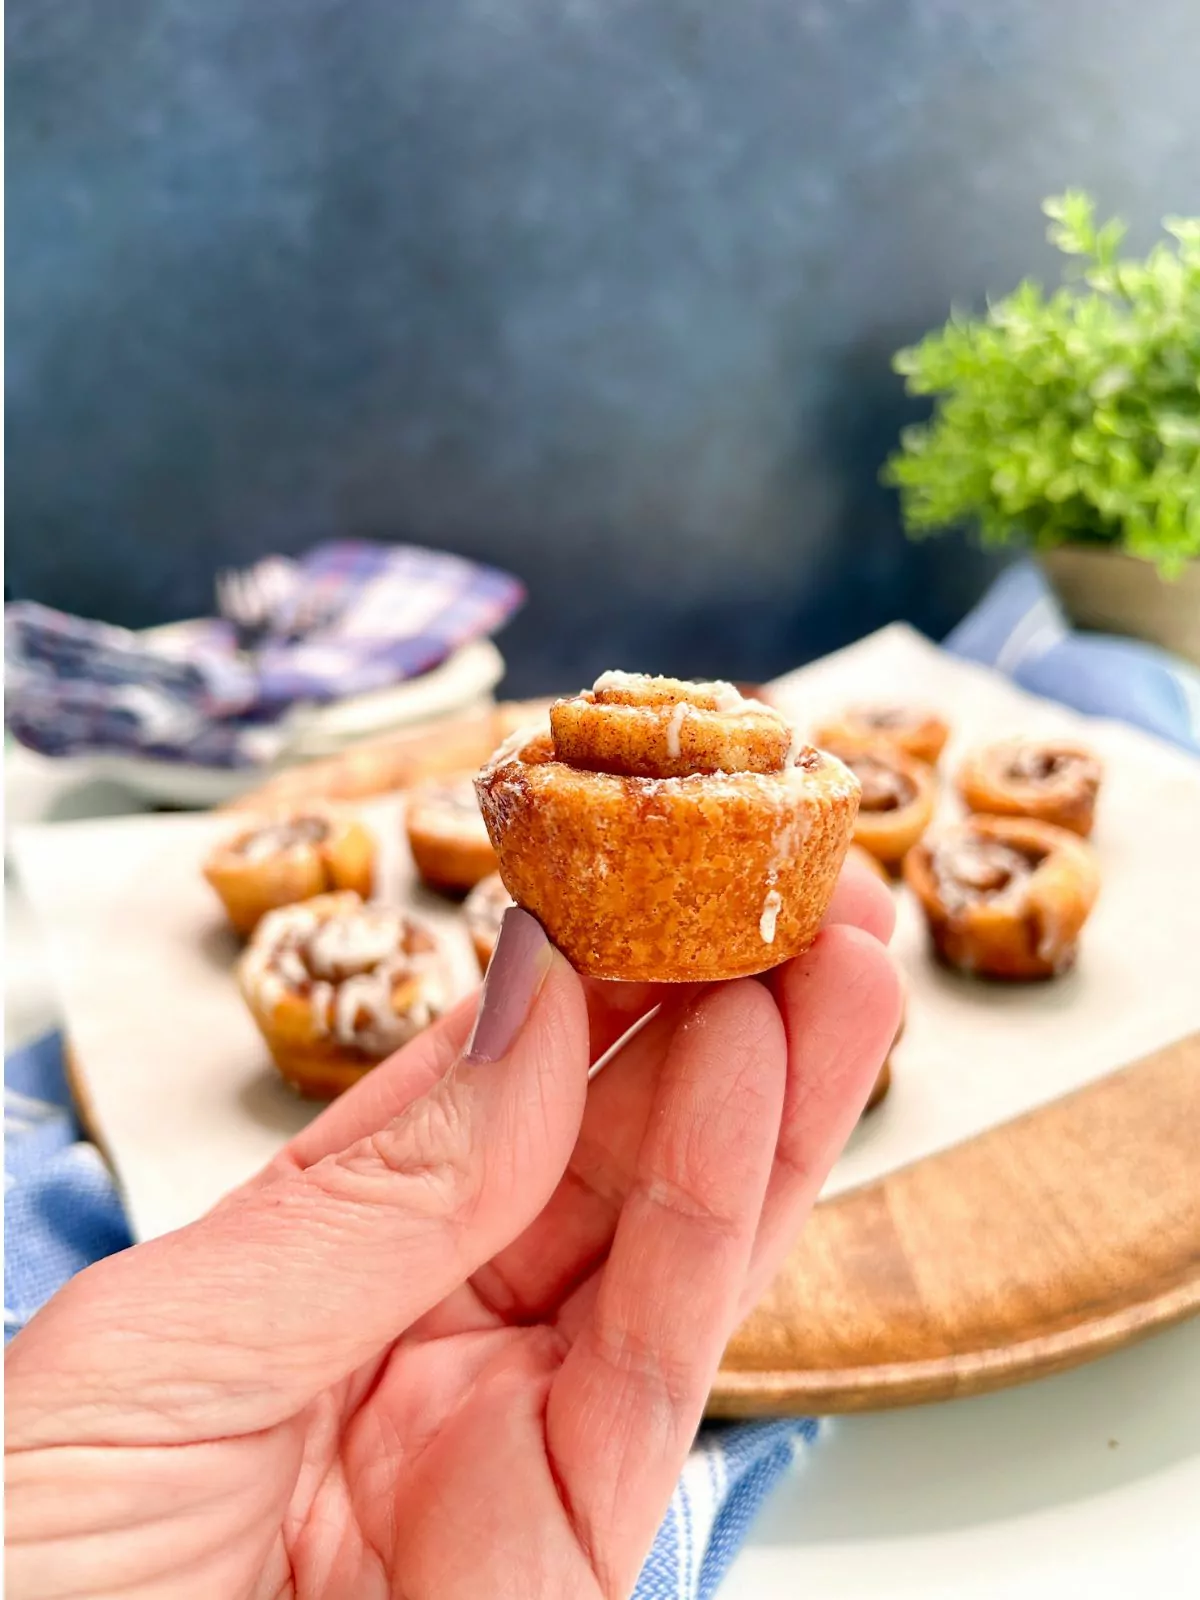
669,831
898,797
446,835
483,911
336,984
1050,780
1005,897
289,857
913,730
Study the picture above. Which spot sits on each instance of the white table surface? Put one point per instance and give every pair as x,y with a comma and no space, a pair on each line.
1083,1484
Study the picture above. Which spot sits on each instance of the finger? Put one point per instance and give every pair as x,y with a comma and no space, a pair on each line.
626,1402
380,1094
840,1004
861,899
237,1321
566,1241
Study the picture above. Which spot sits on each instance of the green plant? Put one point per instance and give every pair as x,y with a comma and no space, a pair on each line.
1069,417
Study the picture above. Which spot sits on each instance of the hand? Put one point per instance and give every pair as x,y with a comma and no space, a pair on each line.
457,1338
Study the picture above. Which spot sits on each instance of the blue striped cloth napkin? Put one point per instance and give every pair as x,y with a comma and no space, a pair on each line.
62,1211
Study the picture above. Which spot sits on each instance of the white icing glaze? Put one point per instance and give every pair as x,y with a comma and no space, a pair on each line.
723,695
513,744
353,963
320,1001
292,836
675,728
343,946
770,916
291,967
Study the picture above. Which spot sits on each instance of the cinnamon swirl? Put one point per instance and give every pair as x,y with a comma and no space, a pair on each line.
1005,897
1049,780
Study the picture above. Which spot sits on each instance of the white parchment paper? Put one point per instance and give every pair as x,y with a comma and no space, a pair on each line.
188,1106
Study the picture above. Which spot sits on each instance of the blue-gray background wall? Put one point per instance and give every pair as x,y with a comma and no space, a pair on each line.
602,290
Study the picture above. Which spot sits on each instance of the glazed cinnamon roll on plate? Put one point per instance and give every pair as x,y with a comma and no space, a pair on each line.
1005,897
447,837
335,985
913,730
1051,780
669,831
289,857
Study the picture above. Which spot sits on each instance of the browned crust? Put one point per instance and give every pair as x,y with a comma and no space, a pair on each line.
667,880
248,889
924,739
1036,937
986,786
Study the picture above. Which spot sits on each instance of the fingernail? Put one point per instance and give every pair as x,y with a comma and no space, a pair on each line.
515,973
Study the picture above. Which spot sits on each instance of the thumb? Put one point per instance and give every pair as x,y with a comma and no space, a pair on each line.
235,1322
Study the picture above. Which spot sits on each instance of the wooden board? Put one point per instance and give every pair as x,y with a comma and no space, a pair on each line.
1040,1244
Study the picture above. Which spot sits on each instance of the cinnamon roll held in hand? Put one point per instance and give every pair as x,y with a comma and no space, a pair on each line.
668,831
912,730
335,985
1050,780
1005,897
289,857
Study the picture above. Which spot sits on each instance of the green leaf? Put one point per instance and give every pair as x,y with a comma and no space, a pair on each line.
1068,416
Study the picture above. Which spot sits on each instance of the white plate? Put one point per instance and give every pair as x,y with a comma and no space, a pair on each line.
188,1106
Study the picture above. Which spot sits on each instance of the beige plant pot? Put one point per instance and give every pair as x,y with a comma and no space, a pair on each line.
1116,593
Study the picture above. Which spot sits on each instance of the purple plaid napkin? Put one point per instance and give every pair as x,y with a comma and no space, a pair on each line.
389,613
